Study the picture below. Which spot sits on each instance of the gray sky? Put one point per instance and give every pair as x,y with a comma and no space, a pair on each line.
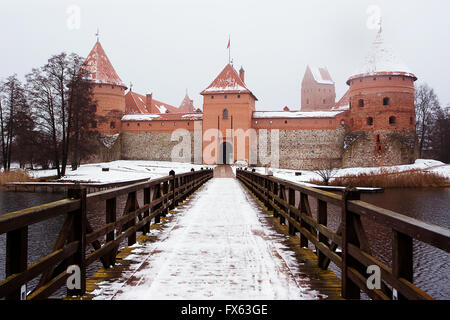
166,46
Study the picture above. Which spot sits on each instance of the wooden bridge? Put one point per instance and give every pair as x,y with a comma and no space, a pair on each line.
78,243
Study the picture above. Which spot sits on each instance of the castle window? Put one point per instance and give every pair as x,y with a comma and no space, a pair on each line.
342,121
162,124
270,121
149,124
112,125
411,120
385,101
94,124
239,96
256,122
378,138
369,121
390,78
319,90
138,124
128,124
285,121
352,122
379,148
225,96
392,120
94,108
307,101
188,122
360,80
174,124
323,101
374,79
212,97
361,103
225,114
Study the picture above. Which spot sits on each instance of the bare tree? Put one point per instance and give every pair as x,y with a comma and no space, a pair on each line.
426,107
326,170
12,102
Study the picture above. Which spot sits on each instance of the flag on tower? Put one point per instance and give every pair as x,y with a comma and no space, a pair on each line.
228,46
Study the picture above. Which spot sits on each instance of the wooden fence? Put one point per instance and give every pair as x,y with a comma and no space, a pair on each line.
76,234
355,256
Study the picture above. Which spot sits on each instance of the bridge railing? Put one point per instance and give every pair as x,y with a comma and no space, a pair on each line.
77,235
355,254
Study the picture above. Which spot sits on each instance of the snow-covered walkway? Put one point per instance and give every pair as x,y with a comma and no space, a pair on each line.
218,247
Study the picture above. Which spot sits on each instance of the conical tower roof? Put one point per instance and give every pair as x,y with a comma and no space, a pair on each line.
186,105
100,68
228,81
382,59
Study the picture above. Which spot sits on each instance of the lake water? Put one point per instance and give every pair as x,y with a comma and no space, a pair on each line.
431,266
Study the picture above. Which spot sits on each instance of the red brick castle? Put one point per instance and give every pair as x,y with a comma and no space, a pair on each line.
373,124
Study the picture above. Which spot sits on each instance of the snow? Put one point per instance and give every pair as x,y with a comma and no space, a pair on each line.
120,171
109,140
218,246
307,175
141,117
295,114
161,108
381,58
318,76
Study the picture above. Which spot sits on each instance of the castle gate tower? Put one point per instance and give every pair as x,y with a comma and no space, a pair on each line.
228,106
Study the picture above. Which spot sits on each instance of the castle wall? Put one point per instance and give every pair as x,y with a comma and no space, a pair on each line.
157,146
379,148
305,149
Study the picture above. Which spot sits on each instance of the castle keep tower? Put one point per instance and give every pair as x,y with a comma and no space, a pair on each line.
318,91
381,111
228,106
109,91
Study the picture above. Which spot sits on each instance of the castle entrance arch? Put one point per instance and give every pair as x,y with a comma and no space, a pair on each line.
225,153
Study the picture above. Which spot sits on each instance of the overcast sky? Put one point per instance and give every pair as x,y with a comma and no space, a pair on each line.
168,46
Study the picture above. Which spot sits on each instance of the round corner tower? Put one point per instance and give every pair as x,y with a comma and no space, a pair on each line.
382,117
108,91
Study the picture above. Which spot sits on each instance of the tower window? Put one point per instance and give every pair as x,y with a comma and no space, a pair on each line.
385,101
374,79
342,121
323,101
369,121
392,120
239,96
138,124
162,124
378,138
112,125
225,96
307,101
361,103
285,121
390,78
411,120
212,97
225,114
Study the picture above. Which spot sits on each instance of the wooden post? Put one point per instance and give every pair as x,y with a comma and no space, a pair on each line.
133,199
275,192
157,195
147,198
79,234
16,256
322,219
402,257
172,188
302,207
291,214
282,196
110,218
349,289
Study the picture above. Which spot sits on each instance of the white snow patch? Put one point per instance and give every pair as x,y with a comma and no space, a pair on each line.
295,114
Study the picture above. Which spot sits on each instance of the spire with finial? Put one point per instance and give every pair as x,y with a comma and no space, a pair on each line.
379,25
131,86
97,35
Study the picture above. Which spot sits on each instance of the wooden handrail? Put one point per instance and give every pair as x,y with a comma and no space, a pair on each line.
159,196
279,196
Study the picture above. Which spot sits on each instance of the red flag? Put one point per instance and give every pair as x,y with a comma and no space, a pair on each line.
228,46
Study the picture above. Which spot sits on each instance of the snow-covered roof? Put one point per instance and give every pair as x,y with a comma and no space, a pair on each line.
162,116
295,114
100,68
321,75
382,59
227,81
